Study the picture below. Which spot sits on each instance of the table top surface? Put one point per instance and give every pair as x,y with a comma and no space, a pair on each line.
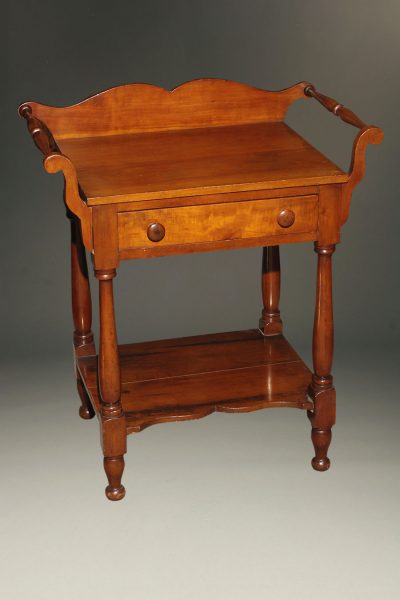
185,162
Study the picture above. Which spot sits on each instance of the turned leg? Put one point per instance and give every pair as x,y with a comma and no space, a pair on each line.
113,427
81,310
321,390
270,322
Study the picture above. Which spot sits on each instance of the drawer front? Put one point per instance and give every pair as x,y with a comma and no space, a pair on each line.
217,222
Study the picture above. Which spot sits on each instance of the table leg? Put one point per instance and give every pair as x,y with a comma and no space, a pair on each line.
321,390
113,426
81,310
270,322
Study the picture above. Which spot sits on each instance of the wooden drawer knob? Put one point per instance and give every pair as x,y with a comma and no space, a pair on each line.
286,217
155,232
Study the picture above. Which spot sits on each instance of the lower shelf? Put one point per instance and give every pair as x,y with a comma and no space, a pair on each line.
189,378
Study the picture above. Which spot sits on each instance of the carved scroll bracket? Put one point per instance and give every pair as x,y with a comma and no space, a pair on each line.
59,162
368,134
53,162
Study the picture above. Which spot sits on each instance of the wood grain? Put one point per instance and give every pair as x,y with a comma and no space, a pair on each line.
137,167
210,165
323,415
368,134
191,377
140,107
208,223
310,190
80,292
189,355
108,384
81,311
233,244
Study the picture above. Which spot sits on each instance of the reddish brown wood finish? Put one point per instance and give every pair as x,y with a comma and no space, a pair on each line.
139,108
189,378
39,132
236,158
286,217
369,134
215,223
114,467
53,163
80,292
210,165
113,426
321,390
81,310
334,107
270,322
86,410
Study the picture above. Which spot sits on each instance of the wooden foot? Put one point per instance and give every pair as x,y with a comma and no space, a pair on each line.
322,420
321,390
114,467
321,438
112,418
86,409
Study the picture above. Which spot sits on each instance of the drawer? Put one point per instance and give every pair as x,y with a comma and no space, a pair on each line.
217,222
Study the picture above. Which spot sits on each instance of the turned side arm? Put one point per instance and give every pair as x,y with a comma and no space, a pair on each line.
40,133
55,161
368,134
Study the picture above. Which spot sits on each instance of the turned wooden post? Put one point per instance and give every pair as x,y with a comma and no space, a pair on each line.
81,310
113,427
270,322
322,417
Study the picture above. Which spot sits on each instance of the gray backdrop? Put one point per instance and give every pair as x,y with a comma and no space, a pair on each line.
59,55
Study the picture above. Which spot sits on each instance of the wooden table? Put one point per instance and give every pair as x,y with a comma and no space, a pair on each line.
210,165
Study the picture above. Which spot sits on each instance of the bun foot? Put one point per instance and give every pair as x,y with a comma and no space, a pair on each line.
115,493
86,409
320,464
86,413
321,438
114,467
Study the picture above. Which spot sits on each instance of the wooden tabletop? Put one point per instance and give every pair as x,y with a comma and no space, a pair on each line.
164,164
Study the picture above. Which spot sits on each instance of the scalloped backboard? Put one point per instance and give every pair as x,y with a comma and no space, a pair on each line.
141,107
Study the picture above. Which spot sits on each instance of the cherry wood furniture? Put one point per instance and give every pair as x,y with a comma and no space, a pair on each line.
210,165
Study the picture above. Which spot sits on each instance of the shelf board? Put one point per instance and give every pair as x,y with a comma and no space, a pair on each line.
188,378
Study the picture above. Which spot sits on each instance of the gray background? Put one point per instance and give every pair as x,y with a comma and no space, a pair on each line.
225,507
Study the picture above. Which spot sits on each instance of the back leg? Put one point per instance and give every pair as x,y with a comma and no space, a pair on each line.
86,410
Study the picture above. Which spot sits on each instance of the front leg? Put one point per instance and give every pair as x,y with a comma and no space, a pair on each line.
112,422
321,390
